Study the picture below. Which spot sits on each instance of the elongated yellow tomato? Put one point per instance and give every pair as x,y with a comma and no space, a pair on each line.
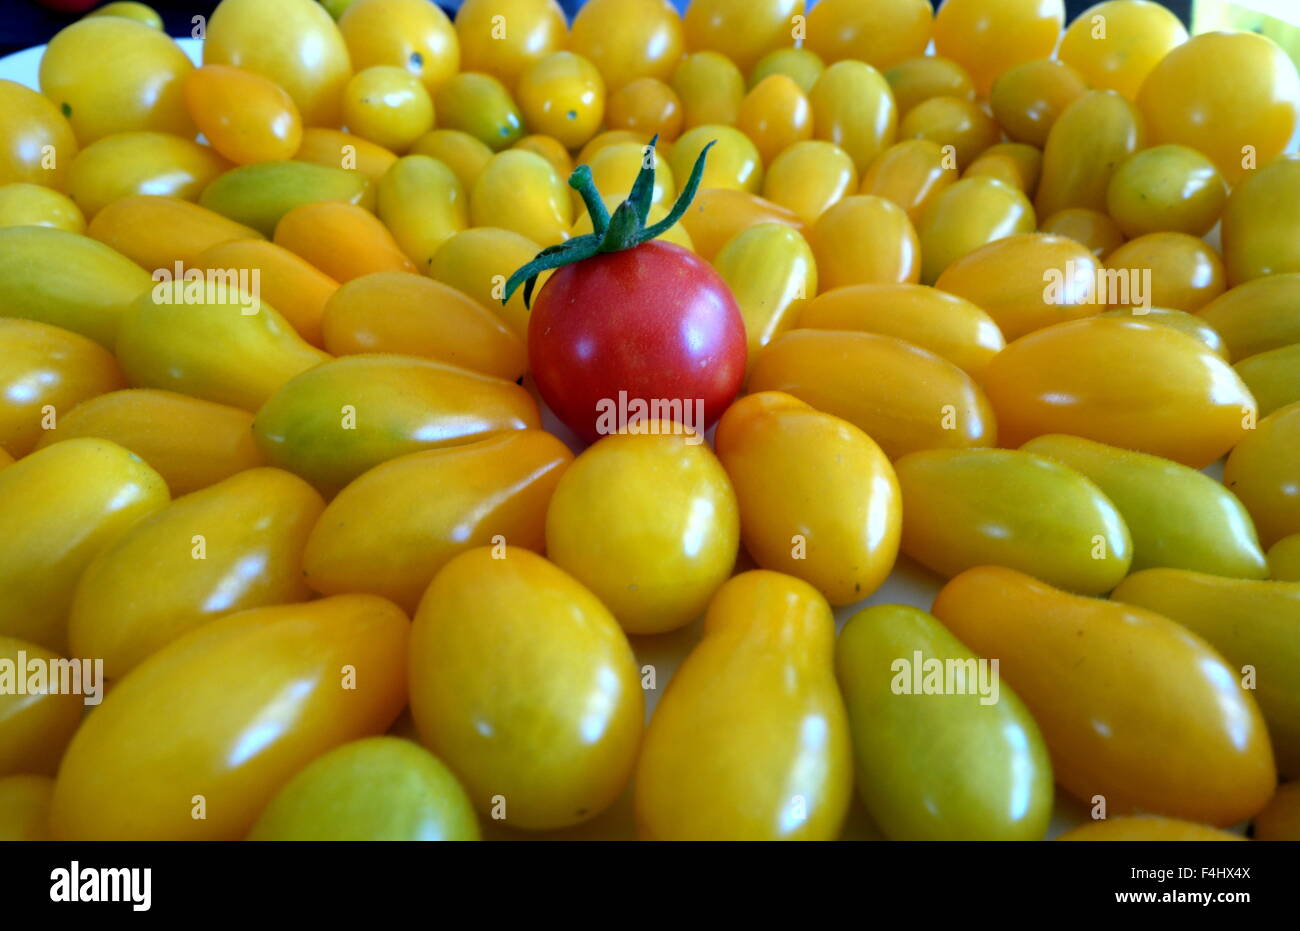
378,788
1146,828
810,176
563,96
1262,314
111,75
910,173
1273,377
66,280
648,521
741,29
523,683
386,535
966,215
1171,270
924,76
710,87
1027,281
912,399
1094,229
259,195
775,115
37,721
1137,34
25,808
1261,223
399,312
1088,140
190,443
935,765
1280,820
952,121
1166,187
266,690
1028,98
645,105
818,499
129,163
1234,96
628,39
1190,744
1177,516
294,43
733,163
750,740
881,34
853,108
988,38
719,214
343,241
25,204
245,116
423,204
210,342
459,151
520,191
614,170
947,325
58,508
1284,559
1001,507
410,34
478,261
237,544
335,149
1093,378
1264,472
769,268
334,422
1013,163
480,105
1179,320
1252,623
44,372
157,232
504,37
32,128
865,239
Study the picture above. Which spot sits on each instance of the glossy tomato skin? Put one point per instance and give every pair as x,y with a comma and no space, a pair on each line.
655,321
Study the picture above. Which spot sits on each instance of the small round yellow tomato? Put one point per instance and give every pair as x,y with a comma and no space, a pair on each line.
1180,320
854,108
710,87
1280,819
520,191
1027,281
111,75
1171,269
1086,143
1192,744
967,215
987,37
782,457
44,372
246,117
375,789
1028,98
809,177
342,240
334,149
156,164
191,443
775,115
912,174
478,261
503,37
459,151
918,79
129,9
267,690
35,725
1261,223
1262,314
25,808
1093,378
801,65
743,30
411,34
1166,188
1146,828
480,105
563,96
628,39
1273,377
882,33
770,269
646,105
648,522
524,684
733,163
36,141
864,239
423,204
1264,472
387,105
913,400
1094,230
1114,45
951,121
1234,96
25,204
1013,163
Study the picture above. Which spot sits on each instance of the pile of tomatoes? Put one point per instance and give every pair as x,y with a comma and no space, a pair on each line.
976,301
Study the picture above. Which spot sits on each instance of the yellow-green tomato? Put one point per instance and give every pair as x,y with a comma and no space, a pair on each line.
339,419
801,65
237,544
258,195
1261,224
770,268
1094,135
1263,470
1284,559
818,499
25,808
966,215
265,691
710,87
854,108
520,191
750,741
1273,377
378,788
385,534
480,105
25,204
733,163
59,507
944,749
523,683
36,723
1001,507
423,204
648,521
1166,187
1254,624
1178,517
1262,314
